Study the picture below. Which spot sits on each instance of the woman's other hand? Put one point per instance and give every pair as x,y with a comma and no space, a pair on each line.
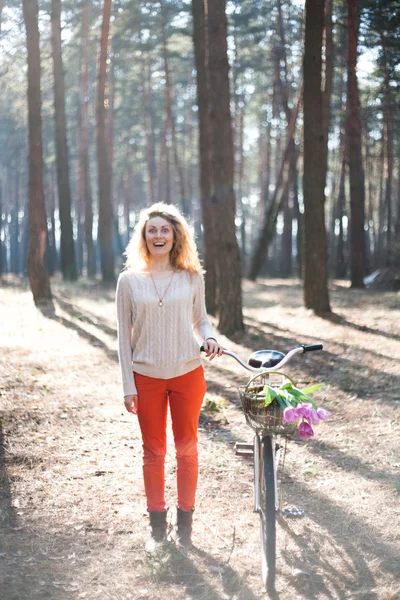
131,403
212,348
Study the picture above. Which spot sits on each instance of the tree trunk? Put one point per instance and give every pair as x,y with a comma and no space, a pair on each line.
38,279
68,264
164,175
170,117
314,243
229,294
14,210
340,263
148,130
84,157
328,79
397,225
104,171
274,206
50,195
355,156
381,208
265,179
240,184
205,175
388,126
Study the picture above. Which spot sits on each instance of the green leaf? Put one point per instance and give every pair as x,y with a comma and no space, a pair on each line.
270,394
300,396
286,386
312,388
286,397
283,403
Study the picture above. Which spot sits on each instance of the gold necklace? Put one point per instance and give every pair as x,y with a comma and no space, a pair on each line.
161,298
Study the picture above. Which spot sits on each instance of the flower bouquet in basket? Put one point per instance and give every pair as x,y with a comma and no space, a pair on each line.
297,406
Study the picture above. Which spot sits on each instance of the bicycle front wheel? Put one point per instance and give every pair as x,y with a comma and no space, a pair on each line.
268,495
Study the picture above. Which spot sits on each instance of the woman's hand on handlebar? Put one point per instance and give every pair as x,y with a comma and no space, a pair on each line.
131,403
212,348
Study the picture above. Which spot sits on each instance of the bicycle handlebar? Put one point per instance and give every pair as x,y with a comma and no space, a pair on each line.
312,347
285,359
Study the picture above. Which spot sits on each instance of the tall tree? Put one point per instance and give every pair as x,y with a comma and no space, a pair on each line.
68,263
103,162
84,184
38,279
356,174
229,295
389,139
201,61
316,294
274,206
170,121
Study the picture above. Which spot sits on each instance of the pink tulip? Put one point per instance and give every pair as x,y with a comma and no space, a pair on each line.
303,408
323,414
290,414
305,431
312,416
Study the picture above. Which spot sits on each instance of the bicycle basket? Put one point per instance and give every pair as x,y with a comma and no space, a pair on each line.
261,417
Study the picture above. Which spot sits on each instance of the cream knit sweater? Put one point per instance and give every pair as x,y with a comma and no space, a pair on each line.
158,341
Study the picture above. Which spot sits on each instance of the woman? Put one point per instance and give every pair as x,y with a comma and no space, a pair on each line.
160,304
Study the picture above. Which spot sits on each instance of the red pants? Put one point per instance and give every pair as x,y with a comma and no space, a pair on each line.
185,396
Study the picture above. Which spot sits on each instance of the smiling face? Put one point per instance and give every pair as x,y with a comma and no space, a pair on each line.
159,237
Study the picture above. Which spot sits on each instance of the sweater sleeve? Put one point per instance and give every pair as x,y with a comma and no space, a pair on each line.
124,323
201,323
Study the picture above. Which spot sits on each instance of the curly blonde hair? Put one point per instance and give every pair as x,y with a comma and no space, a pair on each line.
183,255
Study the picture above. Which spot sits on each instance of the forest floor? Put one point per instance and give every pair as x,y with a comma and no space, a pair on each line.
73,517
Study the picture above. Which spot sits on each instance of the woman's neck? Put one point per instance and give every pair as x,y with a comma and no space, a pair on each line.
159,264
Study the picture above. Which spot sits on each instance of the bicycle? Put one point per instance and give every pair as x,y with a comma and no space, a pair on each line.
266,421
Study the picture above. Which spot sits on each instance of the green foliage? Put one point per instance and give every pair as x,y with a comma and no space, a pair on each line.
289,395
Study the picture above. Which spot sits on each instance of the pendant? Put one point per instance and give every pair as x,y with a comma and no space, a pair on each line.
160,303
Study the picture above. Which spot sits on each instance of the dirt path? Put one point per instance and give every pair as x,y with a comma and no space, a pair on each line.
73,519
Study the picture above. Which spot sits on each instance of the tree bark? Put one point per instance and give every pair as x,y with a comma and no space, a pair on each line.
205,174
389,138
14,214
170,117
229,295
357,193
106,221
397,225
148,129
38,279
50,195
265,167
84,157
314,243
328,81
340,263
68,263
381,206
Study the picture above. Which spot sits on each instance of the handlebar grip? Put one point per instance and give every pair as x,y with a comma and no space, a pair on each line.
201,348
312,347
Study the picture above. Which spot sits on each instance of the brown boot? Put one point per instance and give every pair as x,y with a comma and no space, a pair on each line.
158,530
184,527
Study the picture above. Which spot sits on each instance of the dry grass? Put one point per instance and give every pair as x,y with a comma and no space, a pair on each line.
73,519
